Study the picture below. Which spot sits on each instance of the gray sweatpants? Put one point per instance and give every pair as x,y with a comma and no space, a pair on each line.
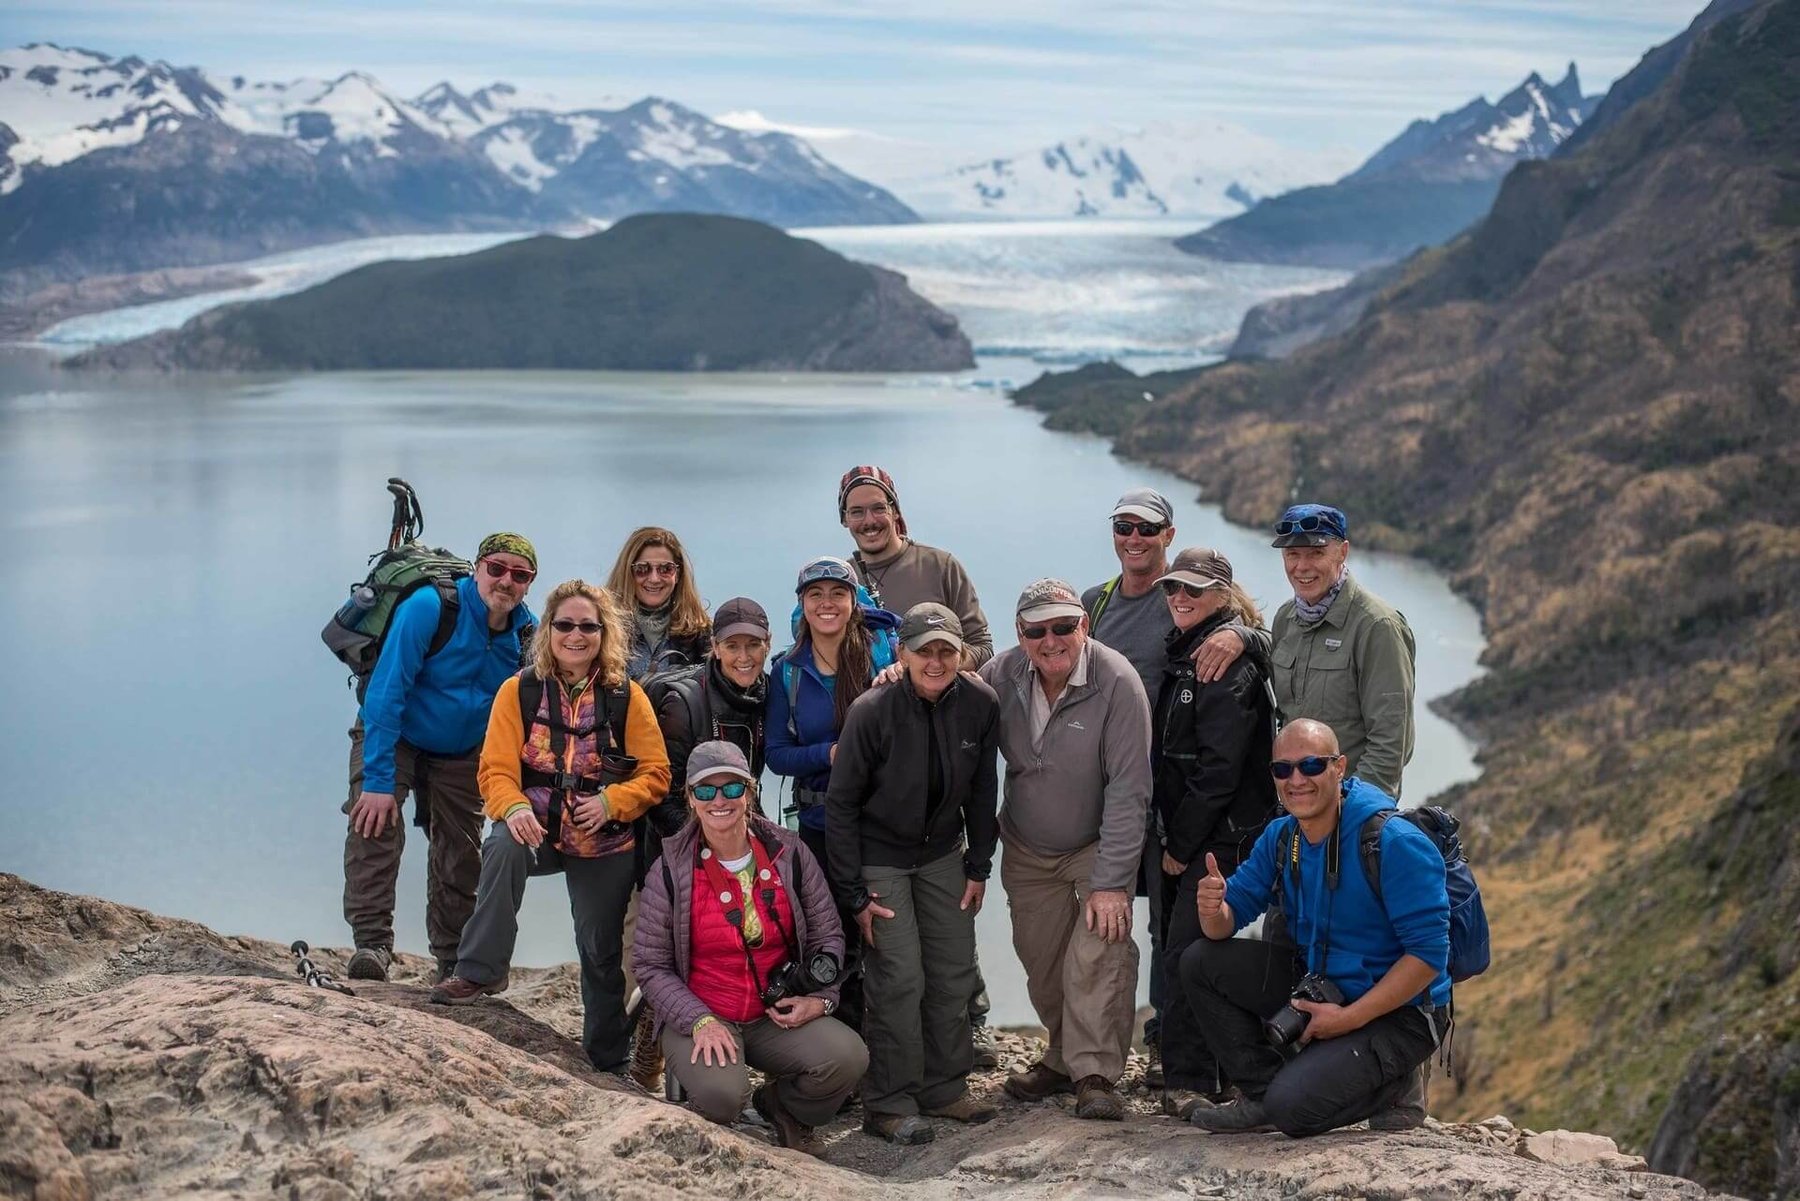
918,976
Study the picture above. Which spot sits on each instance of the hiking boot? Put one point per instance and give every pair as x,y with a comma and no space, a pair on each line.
1037,1082
907,1129
790,1131
1182,1102
1153,1072
646,1052
370,963
446,968
1408,1111
966,1109
987,1055
1097,1100
1242,1116
458,990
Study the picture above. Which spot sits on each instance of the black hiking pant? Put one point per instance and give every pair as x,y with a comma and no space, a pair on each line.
850,990
1235,983
1188,1062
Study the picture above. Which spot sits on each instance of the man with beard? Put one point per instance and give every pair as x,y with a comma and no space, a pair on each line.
900,573
419,733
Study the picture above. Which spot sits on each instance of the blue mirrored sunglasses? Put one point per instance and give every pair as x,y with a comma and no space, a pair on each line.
732,791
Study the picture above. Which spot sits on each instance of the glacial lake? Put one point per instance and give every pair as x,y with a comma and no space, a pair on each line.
177,732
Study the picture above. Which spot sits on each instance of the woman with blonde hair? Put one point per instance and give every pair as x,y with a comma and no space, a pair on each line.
1210,748
573,757
666,622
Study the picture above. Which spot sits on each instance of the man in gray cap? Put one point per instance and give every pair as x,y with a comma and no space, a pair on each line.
1075,733
909,821
1128,614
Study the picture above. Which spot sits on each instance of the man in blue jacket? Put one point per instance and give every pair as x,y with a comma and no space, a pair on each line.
1385,952
420,731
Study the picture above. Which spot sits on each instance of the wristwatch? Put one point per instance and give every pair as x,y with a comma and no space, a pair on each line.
830,1006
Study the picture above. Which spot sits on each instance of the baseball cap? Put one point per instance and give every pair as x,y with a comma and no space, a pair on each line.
718,758
1311,525
1146,503
825,567
929,621
1200,566
1047,598
739,615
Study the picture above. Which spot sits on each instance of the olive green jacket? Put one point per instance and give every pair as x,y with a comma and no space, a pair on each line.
1354,672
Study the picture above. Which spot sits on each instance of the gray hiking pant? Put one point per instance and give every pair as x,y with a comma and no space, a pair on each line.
444,793
918,976
598,892
812,1068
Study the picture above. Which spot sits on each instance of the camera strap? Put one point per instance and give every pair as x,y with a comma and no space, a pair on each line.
1333,863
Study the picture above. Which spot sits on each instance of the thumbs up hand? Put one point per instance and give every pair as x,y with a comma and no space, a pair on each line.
1209,893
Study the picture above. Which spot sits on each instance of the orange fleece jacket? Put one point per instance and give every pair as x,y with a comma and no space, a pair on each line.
499,775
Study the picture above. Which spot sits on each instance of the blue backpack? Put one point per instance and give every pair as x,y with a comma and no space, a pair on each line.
1470,952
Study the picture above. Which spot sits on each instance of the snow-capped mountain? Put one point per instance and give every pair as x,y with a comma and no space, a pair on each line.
1422,188
1482,140
1206,168
162,158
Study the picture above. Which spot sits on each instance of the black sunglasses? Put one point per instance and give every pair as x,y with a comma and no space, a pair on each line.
1171,587
1062,629
1311,765
564,625
1143,529
1312,523
519,575
706,792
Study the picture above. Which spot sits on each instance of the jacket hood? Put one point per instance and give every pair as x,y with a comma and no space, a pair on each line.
1180,643
1361,800
682,842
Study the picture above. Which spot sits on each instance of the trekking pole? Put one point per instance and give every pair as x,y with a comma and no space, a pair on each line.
404,505
309,972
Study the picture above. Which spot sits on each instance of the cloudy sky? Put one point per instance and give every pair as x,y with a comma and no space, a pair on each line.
969,78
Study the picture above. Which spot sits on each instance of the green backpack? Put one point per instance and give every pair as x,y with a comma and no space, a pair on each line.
357,630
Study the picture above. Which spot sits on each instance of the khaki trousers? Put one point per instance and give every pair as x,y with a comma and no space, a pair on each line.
1083,988
811,1068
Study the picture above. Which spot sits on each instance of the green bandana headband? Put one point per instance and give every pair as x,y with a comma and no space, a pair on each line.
507,544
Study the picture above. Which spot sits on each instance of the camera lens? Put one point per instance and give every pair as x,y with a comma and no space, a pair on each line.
1286,1026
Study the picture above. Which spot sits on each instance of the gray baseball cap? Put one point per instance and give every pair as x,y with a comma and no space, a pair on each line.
1200,566
1048,598
1145,503
718,758
929,621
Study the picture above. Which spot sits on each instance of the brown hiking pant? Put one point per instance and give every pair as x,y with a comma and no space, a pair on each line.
443,790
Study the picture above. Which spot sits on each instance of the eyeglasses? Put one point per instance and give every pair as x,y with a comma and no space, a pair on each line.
1062,629
878,510
1312,523
1311,765
732,791
641,570
520,575
1143,529
564,625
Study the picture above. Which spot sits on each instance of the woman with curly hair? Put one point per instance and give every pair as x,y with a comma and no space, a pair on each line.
666,623
573,756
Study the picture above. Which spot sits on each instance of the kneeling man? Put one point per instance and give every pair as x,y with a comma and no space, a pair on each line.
1333,1027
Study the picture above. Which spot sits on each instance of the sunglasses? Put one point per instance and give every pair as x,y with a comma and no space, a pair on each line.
564,625
732,791
1143,529
1062,629
520,575
1171,587
1312,523
640,570
1311,765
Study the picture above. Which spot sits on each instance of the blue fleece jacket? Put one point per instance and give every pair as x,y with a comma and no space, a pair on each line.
440,703
1368,933
807,757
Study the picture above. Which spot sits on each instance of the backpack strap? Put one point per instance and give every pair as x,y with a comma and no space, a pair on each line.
1100,602
1368,848
790,680
450,608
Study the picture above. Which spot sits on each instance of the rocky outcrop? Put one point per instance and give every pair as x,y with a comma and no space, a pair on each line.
1277,328
144,1056
660,292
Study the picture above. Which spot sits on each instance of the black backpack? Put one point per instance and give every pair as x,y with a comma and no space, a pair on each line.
688,683
358,630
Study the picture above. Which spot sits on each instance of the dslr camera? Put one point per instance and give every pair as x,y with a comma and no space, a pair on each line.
1285,1028
800,977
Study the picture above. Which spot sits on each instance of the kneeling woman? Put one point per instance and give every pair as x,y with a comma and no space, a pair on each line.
573,756
734,901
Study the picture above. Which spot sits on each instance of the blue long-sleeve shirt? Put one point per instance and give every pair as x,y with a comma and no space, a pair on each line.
1367,933
439,703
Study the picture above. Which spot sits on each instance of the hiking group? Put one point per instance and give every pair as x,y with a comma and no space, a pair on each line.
1157,738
